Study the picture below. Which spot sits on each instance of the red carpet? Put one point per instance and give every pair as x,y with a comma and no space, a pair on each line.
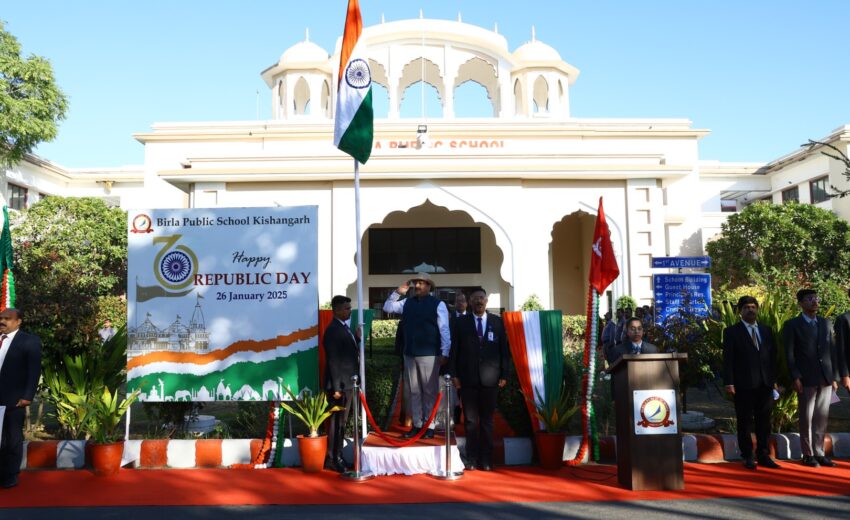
508,484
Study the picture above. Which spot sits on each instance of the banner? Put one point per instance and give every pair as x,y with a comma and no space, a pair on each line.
222,304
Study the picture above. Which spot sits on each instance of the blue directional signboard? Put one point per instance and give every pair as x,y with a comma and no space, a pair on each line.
691,292
681,262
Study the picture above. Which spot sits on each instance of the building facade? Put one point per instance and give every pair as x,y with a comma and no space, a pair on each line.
507,201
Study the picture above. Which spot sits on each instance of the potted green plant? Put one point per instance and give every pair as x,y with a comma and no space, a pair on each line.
104,413
554,414
312,410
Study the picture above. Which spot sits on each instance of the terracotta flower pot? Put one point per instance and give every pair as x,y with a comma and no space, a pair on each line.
106,458
312,451
550,448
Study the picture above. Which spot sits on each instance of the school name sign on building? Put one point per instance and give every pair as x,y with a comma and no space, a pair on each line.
222,304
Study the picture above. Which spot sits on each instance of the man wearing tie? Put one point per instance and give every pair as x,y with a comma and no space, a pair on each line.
479,363
749,373
813,365
20,367
342,361
634,343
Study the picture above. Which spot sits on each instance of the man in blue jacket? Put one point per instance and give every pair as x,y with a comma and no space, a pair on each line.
425,322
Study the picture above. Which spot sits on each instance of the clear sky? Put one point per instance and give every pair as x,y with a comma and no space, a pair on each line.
762,75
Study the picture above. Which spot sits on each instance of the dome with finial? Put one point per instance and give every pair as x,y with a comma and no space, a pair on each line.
535,50
304,52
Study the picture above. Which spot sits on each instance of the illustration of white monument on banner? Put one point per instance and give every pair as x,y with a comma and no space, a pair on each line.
222,304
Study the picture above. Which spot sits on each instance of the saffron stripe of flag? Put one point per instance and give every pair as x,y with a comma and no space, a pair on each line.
353,124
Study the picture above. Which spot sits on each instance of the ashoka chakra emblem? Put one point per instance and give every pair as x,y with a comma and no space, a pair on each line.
176,266
357,74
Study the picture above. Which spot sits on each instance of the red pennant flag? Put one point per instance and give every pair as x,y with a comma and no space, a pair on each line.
603,264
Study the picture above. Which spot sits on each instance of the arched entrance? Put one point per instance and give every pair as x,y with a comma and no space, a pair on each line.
569,261
458,252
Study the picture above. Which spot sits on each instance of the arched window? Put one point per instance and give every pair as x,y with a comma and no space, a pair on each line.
476,88
301,97
326,99
541,95
519,101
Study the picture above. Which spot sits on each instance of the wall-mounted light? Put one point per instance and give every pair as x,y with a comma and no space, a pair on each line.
422,136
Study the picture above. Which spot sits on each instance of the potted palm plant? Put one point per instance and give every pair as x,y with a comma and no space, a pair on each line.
312,410
104,413
554,414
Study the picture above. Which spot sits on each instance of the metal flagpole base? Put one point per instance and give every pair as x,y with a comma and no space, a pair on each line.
357,476
443,475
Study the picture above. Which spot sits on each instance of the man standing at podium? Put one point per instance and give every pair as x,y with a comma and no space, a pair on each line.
634,343
749,373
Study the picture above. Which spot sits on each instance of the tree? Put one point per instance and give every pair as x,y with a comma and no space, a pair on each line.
31,104
783,246
70,270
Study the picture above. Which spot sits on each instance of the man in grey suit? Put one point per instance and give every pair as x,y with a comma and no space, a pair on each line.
634,343
814,368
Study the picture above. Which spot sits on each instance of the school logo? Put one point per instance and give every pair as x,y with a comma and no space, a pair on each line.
142,224
655,413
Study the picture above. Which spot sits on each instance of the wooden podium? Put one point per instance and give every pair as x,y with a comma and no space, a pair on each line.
649,435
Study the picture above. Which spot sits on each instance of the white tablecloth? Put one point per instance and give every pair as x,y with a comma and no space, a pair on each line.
408,461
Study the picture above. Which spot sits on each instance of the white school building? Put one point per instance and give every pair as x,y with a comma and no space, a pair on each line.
507,201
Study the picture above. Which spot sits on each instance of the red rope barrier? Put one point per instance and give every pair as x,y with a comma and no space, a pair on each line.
390,440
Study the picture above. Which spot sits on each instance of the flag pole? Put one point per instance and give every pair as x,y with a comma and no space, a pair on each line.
361,310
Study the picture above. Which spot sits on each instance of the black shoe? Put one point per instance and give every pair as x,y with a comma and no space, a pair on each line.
749,463
10,483
824,461
470,467
486,467
429,434
767,462
811,462
410,433
342,464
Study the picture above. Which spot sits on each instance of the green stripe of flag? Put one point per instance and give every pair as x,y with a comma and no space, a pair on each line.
551,327
357,139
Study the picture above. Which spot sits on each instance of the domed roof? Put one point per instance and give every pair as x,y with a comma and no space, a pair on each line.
304,52
535,50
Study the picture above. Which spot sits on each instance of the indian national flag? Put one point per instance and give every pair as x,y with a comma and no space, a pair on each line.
7,286
535,339
353,124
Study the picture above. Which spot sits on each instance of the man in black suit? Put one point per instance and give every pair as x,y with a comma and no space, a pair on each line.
20,367
634,343
842,344
342,361
479,363
813,365
749,373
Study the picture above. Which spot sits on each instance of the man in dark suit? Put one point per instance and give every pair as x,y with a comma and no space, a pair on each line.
842,344
813,365
460,310
634,343
479,363
749,373
342,361
20,367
